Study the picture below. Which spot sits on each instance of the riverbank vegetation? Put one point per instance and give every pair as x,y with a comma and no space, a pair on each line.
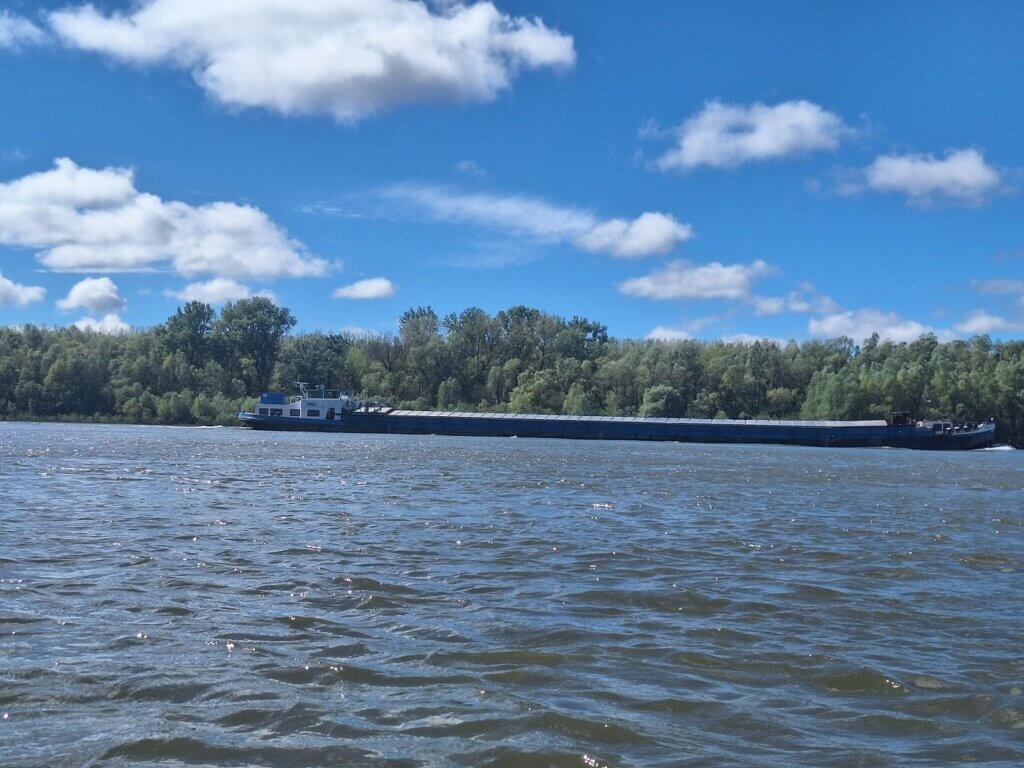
201,367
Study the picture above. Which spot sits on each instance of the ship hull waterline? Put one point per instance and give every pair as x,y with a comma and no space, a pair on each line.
829,435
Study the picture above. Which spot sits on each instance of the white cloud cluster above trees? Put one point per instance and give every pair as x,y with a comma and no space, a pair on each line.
371,288
980,321
96,294
18,295
648,234
860,324
84,220
682,280
347,58
727,135
110,323
215,291
664,333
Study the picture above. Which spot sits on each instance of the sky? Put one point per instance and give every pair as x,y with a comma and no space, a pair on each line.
674,170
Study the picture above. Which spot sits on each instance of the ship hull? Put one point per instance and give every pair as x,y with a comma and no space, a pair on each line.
763,432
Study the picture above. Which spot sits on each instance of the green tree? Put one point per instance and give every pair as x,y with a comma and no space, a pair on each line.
198,368
662,401
74,383
448,394
579,402
251,331
189,330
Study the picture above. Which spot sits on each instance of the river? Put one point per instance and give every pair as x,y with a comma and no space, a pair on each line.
183,596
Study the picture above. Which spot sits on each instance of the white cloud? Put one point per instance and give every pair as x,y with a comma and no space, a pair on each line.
347,58
981,322
663,333
15,294
682,280
648,234
216,291
96,294
805,298
768,306
860,324
372,288
1000,286
961,176
84,220
16,31
110,323
727,135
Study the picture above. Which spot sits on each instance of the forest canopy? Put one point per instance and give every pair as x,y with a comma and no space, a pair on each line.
201,367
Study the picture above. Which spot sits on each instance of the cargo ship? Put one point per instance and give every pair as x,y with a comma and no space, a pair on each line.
319,409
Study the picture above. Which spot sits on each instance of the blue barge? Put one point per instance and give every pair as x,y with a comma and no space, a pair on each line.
323,410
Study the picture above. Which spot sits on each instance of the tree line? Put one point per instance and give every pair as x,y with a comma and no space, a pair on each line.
201,367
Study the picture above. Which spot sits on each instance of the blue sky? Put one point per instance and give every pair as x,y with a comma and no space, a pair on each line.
708,170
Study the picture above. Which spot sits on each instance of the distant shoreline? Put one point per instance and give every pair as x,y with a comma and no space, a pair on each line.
202,366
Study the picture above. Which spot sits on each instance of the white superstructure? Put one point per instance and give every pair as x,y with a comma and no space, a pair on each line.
312,403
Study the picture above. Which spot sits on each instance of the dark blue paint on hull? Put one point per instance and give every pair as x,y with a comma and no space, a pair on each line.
570,428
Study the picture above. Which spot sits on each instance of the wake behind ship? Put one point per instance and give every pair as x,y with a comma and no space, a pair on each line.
324,410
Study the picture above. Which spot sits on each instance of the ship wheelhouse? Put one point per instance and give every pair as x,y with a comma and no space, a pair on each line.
312,403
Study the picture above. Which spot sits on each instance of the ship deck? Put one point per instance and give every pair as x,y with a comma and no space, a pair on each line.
872,433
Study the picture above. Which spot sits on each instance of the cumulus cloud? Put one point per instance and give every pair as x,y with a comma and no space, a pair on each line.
96,294
664,333
110,324
805,298
961,176
17,295
768,306
372,288
216,291
682,280
860,324
85,220
347,58
648,234
16,31
980,322
727,135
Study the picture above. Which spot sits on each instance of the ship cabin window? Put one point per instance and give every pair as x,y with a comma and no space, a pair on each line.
275,411
312,412
263,411
293,412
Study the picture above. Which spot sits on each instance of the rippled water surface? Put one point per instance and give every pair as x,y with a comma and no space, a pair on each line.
221,597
